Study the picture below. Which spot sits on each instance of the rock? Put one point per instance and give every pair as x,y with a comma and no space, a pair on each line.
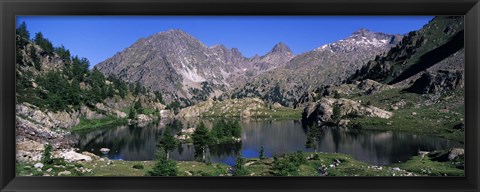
38,165
460,126
246,113
277,105
30,146
142,118
119,113
64,173
455,152
370,87
73,156
396,169
166,114
322,110
443,156
196,110
89,114
104,150
344,122
414,113
188,173
423,153
89,154
49,170
438,82
100,106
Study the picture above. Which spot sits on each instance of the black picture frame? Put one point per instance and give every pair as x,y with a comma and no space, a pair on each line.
9,9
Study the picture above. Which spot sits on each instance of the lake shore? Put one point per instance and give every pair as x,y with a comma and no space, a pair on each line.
327,164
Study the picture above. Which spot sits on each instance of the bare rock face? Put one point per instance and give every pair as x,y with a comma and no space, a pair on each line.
278,56
196,110
48,119
89,114
322,110
438,82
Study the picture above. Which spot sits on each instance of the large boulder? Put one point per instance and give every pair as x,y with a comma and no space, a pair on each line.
322,110
73,156
166,114
450,155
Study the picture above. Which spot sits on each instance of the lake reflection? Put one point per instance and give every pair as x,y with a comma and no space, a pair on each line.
277,137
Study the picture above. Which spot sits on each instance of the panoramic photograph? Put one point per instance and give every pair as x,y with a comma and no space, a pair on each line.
240,96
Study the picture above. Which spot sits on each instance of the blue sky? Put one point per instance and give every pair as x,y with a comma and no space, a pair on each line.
100,37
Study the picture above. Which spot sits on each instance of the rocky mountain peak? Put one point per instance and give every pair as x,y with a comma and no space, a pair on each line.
281,48
361,39
363,32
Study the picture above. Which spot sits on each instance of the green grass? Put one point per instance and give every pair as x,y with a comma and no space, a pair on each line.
58,166
126,168
425,166
257,167
431,119
92,124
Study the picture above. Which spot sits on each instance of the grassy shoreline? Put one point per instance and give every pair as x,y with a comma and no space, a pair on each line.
347,166
94,124
435,119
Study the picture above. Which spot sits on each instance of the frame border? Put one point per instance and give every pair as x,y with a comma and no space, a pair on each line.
9,9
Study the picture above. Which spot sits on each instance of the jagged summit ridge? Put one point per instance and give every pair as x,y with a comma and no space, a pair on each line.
361,39
281,48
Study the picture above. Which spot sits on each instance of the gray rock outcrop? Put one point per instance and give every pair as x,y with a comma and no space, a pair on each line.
322,110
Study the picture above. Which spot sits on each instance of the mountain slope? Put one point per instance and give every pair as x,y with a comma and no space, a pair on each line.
183,68
420,50
328,64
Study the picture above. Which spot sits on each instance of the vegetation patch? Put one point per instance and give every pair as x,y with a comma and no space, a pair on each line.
92,124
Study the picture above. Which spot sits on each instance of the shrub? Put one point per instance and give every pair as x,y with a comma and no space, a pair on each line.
138,166
47,155
163,166
239,167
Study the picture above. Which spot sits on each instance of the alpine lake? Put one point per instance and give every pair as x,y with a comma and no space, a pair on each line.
135,143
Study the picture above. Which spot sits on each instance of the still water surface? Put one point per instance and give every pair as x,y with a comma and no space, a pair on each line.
132,143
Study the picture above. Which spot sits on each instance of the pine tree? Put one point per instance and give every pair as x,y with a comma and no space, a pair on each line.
163,166
239,167
262,153
24,35
138,107
47,155
313,134
201,138
44,43
35,58
336,113
167,141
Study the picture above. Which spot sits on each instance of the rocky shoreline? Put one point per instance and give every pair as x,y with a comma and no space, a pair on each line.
36,128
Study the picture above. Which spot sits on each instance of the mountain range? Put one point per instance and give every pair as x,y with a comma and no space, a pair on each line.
183,68
186,70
